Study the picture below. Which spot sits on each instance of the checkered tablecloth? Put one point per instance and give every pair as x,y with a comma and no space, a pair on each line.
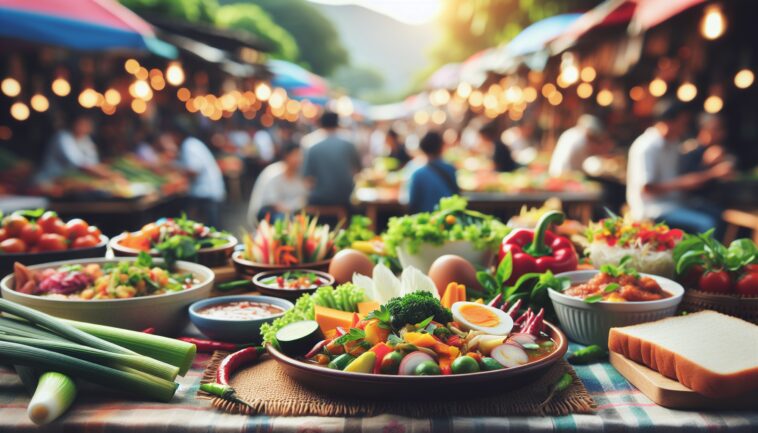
620,408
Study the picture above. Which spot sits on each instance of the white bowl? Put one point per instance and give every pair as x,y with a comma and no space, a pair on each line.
428,253
590,323
166,313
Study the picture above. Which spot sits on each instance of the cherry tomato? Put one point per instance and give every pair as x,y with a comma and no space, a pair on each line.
31,234
59,228
716,281
13,224
52,242
94,231
76,228
3,234
86,241
692,276
13,245
47,221
747,285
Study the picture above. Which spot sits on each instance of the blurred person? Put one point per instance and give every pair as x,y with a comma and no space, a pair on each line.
330,165
489,134
434,180
576,144
207,190
654,183
280,189
396,148
264,144
519,138
707,148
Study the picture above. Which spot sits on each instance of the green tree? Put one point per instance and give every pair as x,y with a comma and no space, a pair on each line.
321,49
203,11
359,81
251,18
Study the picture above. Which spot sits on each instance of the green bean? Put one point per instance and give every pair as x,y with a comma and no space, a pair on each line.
588,355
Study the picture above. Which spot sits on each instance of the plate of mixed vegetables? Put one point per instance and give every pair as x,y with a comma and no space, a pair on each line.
177,239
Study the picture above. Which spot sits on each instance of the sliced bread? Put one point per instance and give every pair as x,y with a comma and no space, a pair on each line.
711,353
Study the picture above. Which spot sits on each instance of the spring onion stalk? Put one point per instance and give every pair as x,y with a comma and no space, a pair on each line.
116,360
168,350
23,328
59,327
137,383
54,395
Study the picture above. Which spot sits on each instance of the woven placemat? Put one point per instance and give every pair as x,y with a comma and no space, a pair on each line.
267,389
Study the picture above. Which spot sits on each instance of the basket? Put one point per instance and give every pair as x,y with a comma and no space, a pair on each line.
745,308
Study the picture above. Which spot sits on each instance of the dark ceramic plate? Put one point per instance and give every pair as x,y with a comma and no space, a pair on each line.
210,257
28,259
290,294
245,267
377,386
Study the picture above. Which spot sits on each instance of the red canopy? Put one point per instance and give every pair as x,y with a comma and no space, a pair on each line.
650,13
610,13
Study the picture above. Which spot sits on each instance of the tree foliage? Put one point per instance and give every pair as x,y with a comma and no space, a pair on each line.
194,11
251,18
321,49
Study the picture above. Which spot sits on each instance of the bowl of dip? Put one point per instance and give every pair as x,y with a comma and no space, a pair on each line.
236,319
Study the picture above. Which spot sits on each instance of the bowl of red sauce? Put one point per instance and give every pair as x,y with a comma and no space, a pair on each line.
236,319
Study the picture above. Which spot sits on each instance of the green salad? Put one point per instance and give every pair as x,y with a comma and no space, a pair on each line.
452,221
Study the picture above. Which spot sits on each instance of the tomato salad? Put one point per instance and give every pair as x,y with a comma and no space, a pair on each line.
35,231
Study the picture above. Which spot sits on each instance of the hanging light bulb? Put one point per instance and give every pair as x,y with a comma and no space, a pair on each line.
61,87
658,87
262,91
636,93
713,24
744,78
686,92
174,74
713,104
39,103
584,90
19,111
604,98
112,97
588,73
10,87
88,98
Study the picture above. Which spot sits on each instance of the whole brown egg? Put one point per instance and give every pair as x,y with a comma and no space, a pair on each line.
451,268
347,262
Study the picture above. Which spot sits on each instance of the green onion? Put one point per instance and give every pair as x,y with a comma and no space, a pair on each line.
116,360
24,329
168,350
140,384
59,327
54,395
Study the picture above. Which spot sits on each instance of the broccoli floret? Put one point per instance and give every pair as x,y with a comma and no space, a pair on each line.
415,307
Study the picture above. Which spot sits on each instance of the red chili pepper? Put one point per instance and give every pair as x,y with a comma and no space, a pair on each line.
513,311
148,331
210,346
234,361
317,348
539,250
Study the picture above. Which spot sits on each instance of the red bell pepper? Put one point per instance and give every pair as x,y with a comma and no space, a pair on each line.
381,350
539,250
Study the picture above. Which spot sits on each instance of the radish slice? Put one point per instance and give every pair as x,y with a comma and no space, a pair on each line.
510,355
411,361
522,338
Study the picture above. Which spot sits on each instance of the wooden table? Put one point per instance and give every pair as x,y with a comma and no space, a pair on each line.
740,218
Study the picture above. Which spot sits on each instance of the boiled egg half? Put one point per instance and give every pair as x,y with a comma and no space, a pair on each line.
479,317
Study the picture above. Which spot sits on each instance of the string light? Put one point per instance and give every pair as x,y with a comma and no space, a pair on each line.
175,74
744,78
142,74
714,23
421,117
604,98
636,93
476,98
584,90
131,66
112,97
555,98
39,103
183,94
139,106
262,91
569,75
658,87
140,89
686,92
61,87
10,87
713,104
464,90
88,98
439,117
548,89
588,74
530,94
19,111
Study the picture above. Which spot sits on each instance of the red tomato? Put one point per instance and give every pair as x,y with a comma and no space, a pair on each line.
94,231
692,276
76,227
747,285
85,241
3,234
13,224
31,234
717,281
52,242
59,228
48,220
13,245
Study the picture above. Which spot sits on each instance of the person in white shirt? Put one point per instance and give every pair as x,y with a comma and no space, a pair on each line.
575,145
280,190
654,183
264,144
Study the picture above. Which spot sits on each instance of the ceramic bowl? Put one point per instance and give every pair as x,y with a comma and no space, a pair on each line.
7,260
235,331
211,257
249,268
290,294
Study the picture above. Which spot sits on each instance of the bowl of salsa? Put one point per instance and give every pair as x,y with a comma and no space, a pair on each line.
236,318
292,283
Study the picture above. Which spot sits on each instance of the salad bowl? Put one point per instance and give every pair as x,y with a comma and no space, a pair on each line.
245,267
166,313
382,386
266,283
208,256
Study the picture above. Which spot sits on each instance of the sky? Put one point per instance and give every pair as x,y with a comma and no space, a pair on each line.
414,12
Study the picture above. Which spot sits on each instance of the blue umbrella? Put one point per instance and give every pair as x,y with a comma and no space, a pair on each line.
291,76
535,37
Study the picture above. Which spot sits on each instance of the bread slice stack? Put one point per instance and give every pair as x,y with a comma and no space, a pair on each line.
711,353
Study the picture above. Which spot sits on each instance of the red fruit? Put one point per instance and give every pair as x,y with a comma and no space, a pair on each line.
86,241
747,285
692,276
48,220
13,224
13,245
94,231
717,281
76,228
31,234
52,242
3,235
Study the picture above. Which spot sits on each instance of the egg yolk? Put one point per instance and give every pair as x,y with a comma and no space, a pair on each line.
480,316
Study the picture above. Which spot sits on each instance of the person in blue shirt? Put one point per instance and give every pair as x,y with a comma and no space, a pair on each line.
432,181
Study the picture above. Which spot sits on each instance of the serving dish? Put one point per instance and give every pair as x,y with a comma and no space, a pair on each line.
166,313
236,331
379,386
259,280
589,323
249,268
211,257
8,259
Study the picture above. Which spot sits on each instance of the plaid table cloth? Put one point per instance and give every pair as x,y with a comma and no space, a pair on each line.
620,408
